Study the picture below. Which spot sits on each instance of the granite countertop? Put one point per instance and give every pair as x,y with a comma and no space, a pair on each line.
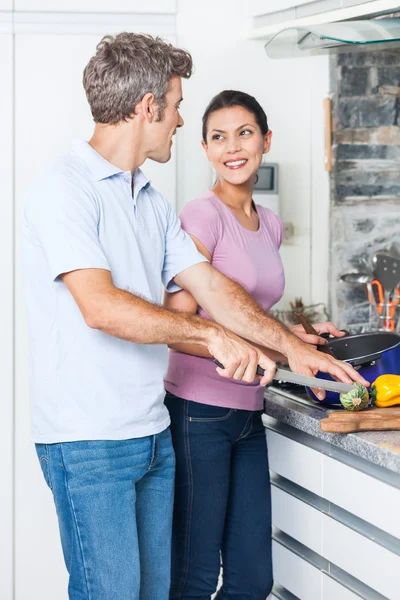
379,447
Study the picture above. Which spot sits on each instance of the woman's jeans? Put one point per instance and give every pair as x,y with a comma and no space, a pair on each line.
114,504
222,503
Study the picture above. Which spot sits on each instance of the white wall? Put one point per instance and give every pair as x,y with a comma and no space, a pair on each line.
291,91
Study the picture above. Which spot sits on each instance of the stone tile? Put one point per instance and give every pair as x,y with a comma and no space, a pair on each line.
389,76
368,151
373,165
387,135
357,135
348,115
358,231
363,58
353,81
376,110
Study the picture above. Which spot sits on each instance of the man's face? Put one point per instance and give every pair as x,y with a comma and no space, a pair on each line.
163,130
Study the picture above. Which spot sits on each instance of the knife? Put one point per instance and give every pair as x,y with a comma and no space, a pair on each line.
297,378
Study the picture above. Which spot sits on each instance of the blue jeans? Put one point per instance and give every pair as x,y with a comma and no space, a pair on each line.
222,503
114,504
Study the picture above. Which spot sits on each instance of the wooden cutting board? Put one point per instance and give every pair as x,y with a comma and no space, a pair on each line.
372,419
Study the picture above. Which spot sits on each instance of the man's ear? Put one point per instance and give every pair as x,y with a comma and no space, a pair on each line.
147,108
205,148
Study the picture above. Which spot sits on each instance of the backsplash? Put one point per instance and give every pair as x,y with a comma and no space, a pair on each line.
365,180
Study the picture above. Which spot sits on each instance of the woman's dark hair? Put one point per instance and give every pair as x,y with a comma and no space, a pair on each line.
229,98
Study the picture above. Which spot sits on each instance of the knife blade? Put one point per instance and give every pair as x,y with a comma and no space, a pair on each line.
304,380
313,382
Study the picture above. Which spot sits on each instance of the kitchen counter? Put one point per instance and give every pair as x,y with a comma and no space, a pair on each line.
335,505
297,410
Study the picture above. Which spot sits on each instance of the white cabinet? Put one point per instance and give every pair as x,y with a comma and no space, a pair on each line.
6,305
374,501
263,7
6,5
340,528
295,462
97,6
362,558
297,519
295,574
332,590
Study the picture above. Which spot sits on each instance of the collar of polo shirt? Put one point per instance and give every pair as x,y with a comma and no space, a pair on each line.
102,169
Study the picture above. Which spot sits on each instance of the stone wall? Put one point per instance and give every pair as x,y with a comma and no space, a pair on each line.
365,180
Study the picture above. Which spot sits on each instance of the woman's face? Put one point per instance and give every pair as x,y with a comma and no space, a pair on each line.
235,144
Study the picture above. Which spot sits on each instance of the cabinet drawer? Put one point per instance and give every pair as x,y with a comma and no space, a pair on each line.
362,495
332,590
296,462
295,574
296,518
362,558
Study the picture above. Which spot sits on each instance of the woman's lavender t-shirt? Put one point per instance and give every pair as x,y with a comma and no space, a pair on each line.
252,259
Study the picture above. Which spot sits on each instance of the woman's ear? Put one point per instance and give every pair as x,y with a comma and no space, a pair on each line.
267,141
205,148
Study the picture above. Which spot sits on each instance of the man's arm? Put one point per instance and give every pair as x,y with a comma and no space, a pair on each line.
129,317
231,306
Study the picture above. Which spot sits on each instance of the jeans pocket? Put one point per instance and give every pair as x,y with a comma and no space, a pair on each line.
42,451
208,413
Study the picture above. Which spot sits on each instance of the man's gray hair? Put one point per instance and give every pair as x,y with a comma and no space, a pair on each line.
125,68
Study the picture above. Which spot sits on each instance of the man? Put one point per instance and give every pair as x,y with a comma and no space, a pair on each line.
99,241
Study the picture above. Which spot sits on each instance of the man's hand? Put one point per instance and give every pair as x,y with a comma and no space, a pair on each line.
320,328
304,359
239,358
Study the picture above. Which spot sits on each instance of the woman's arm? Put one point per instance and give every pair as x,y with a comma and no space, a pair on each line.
183,301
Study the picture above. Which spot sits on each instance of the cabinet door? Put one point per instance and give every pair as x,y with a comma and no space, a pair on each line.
6,306
97,6
295,462
50,109
261,7
295,574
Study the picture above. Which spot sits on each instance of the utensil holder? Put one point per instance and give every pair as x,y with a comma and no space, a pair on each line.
382,317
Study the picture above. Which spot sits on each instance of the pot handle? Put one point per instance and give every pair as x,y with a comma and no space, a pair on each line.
327,336
371,359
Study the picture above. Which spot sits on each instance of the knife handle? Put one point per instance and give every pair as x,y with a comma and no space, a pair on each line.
308,328
260,371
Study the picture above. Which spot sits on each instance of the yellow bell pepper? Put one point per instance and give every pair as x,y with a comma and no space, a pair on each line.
385,390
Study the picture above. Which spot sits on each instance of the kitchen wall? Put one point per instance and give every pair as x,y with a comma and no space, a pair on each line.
365,182
291,92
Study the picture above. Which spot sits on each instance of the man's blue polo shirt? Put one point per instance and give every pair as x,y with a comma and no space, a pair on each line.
85,384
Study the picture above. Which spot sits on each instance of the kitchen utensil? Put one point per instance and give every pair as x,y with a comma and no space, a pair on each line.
361,278
394,250
356,277
371,419
308,328
387,271
372,354
384,305
303,380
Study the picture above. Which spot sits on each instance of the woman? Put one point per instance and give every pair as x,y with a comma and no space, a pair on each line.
222,495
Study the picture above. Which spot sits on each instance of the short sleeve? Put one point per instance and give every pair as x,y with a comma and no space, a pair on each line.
62,218
274,224
201,219
280,231
180,251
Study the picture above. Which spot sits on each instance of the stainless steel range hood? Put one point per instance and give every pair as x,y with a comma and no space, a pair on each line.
342,36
